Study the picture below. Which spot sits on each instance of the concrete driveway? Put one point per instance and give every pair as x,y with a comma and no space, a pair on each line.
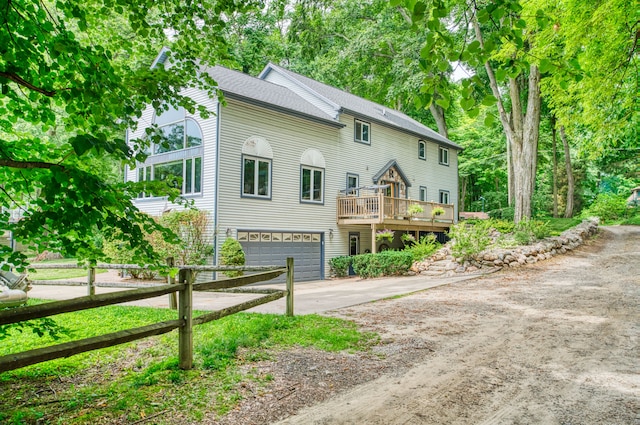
309,297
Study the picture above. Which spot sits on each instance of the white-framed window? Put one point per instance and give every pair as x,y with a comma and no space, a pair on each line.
422,149
444,196
362,133
256,177
353,182
184,174
176,153
443,155
311,184
423,193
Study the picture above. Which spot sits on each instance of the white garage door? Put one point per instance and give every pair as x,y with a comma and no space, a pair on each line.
265,248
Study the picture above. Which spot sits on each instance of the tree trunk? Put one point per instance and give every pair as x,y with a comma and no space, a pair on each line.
463,193
555,167
568,211
438,115
522,130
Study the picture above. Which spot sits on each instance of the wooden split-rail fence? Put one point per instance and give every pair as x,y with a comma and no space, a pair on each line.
185,322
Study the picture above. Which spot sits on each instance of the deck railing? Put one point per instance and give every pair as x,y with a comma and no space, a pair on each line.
367,208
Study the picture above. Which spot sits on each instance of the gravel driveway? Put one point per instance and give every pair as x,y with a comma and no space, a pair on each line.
556,342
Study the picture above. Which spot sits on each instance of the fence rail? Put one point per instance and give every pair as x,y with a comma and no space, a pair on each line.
184,322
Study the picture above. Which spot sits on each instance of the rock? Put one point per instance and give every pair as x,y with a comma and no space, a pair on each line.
461,269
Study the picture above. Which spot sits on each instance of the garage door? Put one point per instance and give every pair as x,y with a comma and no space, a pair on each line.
265,248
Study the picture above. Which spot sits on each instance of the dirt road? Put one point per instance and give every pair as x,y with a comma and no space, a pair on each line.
552,343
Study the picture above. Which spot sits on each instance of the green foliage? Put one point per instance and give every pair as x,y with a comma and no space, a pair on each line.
73,77
40,327
531,230
415,209
469,239
420,250
384,234
387,263
340,265
191,245
139,379
231,254
608,207
437,211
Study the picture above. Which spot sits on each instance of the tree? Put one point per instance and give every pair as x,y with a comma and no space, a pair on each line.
73,77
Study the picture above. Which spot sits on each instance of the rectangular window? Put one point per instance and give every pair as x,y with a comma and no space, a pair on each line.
444,196
422,149
443,155
311,184
144,175
256,177
170,172
423,193
362,132
353,182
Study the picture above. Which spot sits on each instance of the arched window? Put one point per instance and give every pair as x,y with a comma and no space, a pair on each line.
256,168
177,155
312,166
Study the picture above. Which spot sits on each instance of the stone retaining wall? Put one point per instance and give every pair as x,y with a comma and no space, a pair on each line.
442,262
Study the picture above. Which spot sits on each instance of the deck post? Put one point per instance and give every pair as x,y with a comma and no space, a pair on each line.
289,286
373,238
185,333
91,281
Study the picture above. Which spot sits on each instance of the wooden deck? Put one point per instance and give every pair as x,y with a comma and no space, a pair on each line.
393,213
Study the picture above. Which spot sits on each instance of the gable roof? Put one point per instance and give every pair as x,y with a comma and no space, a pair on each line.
361,107
393,163
252,90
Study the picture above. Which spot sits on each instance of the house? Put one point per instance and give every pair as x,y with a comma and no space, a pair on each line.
293,167
634,199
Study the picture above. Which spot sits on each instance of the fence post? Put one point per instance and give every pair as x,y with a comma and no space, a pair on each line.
184,312
173,302
289,286
91,280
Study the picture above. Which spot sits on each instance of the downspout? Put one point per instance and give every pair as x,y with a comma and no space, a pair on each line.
217,191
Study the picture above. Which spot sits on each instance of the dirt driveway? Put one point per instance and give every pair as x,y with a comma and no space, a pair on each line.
552,343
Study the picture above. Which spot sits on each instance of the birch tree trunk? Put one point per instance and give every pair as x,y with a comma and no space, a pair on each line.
568,212
522,131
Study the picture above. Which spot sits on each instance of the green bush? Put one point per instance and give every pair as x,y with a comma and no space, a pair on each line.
231,254
340,265
387,263
506,213
608,207
420,250
536,229
502,226
469,240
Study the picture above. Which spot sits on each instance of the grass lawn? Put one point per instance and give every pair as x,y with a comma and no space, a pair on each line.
53,274
131,381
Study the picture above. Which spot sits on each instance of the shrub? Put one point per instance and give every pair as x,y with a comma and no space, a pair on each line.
469,240
502,226
387,263
427,246
231,254
340,265
608,207
531,230
193,246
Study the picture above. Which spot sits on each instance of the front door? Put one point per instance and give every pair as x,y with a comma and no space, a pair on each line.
354,249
